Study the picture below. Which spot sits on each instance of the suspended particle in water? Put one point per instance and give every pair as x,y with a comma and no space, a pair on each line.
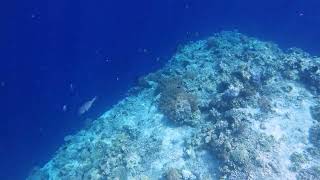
64,108
300,13
71,87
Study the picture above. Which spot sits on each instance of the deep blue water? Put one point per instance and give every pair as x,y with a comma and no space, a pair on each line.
56,53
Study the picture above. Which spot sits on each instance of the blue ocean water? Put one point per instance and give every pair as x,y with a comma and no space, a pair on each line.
59,54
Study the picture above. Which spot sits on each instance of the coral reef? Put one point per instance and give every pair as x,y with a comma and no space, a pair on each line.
173,174
178,105
312,173
228,107
315,112
314,135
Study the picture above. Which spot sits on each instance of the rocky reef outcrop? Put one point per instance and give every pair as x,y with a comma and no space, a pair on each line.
227,107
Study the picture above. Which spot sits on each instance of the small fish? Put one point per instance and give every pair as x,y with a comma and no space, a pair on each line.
86,106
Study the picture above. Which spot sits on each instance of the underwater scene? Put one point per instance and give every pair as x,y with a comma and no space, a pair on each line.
160,90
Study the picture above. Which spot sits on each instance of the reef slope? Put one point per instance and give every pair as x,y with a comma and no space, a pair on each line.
228,107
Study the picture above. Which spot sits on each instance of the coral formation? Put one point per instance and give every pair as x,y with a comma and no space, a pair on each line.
240,109
178,105
312,173
314,135
173,174
315,112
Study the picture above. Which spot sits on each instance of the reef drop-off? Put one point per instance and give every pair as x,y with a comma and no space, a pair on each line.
227,107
